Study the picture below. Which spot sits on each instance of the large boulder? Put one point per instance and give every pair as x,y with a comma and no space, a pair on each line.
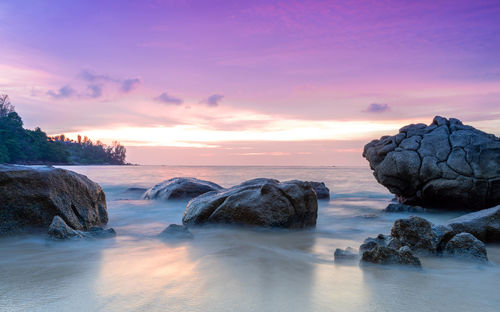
484,224
31,197
180,189
443,165
258,202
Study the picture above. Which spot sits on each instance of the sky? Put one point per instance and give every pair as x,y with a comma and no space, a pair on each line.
249,82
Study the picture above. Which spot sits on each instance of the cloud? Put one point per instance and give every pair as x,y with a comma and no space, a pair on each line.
64,92
126,85
168,99
95,90
92,76
130,84
377,108
213,100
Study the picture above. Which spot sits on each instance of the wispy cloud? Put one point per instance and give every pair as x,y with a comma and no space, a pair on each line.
377,108
63,92
91,76
126,85
213,100
168,99
130,84
94,90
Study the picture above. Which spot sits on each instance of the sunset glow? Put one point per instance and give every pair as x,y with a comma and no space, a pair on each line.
188,75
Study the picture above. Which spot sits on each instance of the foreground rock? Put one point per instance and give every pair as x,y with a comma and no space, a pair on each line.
31,197
418,236
322,192
387,255
258,202
443,165
175,231
58,229
484,224
416,233
180,189
465,245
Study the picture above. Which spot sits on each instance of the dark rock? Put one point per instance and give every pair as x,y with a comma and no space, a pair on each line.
403,208
345,254
175,231
416,233
99,232
484,224
370,242
465,245
181,189
387,255
443,165
32,197
58,229
322,192
258,202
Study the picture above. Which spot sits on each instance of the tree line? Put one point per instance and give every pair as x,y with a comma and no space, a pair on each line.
25,146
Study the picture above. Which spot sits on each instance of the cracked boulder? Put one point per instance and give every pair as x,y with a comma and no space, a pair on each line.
442,165
258,202
32,197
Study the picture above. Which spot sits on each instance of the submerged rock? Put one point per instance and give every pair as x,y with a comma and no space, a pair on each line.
386,255
465,245
443,165
181,189
484,224
403,208
32,197
58,229
345,254
175,231
322,192
258,202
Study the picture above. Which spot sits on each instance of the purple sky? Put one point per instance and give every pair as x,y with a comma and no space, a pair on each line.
249,82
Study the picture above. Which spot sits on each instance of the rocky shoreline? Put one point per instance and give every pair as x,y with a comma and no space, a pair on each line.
414,165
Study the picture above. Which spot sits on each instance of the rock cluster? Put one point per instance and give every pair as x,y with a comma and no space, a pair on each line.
257,202
443,165
180,189
32,197
416,235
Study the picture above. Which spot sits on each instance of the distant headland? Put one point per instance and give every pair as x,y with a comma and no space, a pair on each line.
34,147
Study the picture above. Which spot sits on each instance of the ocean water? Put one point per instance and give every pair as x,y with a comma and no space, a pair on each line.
236,269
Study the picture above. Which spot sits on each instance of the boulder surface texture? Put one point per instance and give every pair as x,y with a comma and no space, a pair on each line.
258,202
31,197
180,189
443,165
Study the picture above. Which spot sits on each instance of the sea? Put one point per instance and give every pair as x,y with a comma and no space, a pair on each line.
237,268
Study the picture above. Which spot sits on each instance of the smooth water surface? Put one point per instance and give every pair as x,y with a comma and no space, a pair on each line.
236,269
